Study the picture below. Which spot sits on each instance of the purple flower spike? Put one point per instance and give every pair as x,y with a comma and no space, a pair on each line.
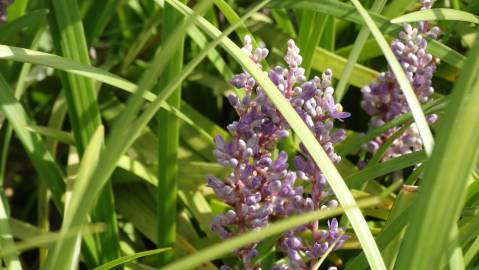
383,100
261,188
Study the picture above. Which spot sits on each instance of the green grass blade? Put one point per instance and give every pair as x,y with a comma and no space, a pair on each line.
51,133
232,17
403,201
429,231
129,258
65,254
41,158
437,14
360,76
12,261
310,32
68,35
398,7
281,18
382,150
33,237
226,246
168,140
355,180
142,38
334,178
98,16
414,106
388,234
363,35
67,31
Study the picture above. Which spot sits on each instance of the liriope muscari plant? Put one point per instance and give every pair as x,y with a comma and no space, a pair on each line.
261,187
383,100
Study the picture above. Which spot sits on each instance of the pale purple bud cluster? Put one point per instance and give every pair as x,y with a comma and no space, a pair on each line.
322,240
383,100
260,187
3,9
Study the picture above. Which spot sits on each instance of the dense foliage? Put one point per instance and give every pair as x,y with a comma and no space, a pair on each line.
231,134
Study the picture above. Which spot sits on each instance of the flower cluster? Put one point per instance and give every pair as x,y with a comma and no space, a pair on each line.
261,188
3,9
383,100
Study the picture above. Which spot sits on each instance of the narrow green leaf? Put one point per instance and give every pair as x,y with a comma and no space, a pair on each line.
360,76
414,106
129,258
12,261
67,31
310,32
282,19
33,237
437,14
41,158
355,180
398,7
445,177
65,254
168,141
383,239
232,17
363,35
51,133
98,16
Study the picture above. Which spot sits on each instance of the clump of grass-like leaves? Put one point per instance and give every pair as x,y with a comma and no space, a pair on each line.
214,134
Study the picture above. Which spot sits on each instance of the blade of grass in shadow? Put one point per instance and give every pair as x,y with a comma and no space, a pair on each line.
129,258
41,158
398,7
68,36
334,178
437,14
328,39
98,16
355,180
282,19
6,239
429,231
226,246
406,88
361,39
388,234
404,199
37,238
168,140
310,32
142,38
361,75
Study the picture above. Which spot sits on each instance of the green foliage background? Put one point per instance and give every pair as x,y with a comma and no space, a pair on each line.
108,110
